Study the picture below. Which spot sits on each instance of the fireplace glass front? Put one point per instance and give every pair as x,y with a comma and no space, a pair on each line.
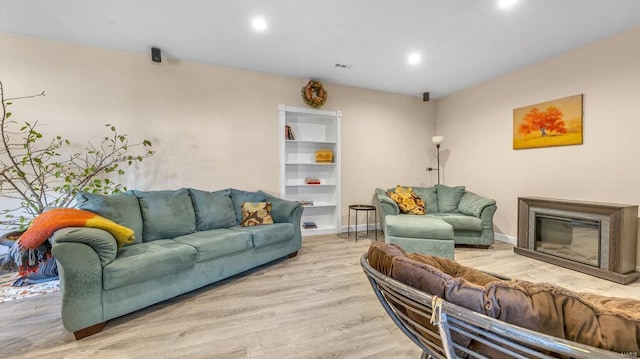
576,239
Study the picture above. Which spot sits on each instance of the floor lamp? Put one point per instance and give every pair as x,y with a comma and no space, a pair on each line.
437,140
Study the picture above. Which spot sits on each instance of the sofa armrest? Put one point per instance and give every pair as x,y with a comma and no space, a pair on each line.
281,210
101,241
472,204
387,205
80,269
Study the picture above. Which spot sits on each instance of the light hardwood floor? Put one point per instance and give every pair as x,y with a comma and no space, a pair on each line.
316,305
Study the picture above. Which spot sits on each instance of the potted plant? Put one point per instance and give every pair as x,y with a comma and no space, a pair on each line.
37,172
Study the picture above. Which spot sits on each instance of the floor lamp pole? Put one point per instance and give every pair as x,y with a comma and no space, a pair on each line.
437,140
438,157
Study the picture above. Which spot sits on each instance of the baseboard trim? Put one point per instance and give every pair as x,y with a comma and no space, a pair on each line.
505,238
361,227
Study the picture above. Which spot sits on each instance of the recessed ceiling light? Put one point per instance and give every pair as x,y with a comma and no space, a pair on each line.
259,24
414,59
506,3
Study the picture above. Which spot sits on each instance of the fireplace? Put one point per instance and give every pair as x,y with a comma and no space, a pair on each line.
568,236
594,238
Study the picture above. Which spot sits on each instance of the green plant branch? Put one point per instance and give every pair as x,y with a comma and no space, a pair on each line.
19,98
40,176
5,137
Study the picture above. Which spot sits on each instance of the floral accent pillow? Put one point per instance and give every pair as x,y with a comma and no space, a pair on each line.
256,213
407,200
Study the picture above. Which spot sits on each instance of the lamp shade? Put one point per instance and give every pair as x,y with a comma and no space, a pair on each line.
437,139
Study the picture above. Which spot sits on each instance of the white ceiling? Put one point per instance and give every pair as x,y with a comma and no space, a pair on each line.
462,42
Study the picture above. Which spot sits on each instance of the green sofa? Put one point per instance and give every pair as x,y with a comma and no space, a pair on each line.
185,239
454,216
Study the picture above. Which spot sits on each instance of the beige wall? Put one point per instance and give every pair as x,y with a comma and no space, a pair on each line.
478,127
215,127
212,127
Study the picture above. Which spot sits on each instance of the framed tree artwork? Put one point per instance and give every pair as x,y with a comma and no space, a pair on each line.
551,123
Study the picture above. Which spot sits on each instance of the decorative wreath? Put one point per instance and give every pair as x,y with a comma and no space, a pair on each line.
314,94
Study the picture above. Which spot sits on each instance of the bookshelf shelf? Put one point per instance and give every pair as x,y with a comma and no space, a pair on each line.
312,130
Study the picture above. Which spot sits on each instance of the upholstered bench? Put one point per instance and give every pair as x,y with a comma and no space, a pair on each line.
420,234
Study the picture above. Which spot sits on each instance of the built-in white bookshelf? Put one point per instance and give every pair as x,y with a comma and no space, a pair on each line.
312,130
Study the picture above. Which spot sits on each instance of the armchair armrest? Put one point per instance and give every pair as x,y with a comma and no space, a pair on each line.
487,217
101,241
472,204
387,205
281,210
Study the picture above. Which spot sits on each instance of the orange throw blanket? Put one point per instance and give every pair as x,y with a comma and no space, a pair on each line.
32,247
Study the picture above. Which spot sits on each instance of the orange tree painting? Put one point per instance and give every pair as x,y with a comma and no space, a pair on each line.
552,123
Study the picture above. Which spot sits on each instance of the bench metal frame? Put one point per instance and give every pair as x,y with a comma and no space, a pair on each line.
399,300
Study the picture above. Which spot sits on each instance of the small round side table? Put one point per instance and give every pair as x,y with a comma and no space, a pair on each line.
361,207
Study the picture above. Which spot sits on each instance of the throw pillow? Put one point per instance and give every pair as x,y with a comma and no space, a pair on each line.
449,198
213,209
407,200
122,208
238,197
256,213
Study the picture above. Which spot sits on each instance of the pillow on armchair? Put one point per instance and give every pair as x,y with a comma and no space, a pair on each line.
449,197
430,198
407,200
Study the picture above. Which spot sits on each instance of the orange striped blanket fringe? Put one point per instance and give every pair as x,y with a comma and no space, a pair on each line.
33,246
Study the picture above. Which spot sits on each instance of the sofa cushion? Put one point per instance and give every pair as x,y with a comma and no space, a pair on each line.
449,197
212,209
471,204
256,213
429,279
166,214
380,256
460,222
216,242
281,210
428,195
454,269
145,261
122,208
266,235
407,200
425,273
603,322
578,317
238,197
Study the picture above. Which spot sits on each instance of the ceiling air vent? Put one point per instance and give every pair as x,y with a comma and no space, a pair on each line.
343,66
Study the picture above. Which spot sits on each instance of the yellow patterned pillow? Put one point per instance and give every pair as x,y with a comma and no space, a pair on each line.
407,200
256,213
